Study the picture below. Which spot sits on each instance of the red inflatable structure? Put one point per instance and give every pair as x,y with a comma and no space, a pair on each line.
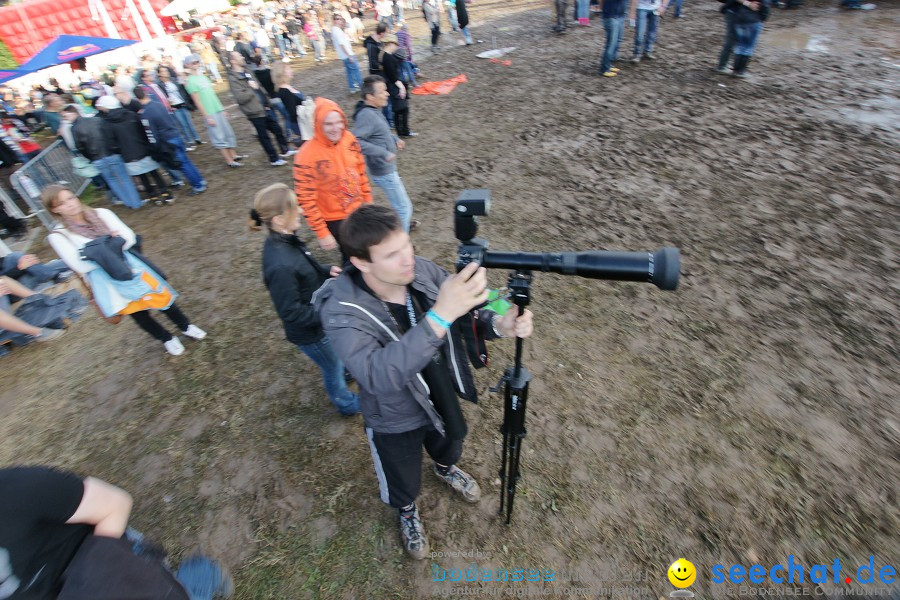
27,27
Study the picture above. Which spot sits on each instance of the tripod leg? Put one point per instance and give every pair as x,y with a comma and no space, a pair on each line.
521,397
505,430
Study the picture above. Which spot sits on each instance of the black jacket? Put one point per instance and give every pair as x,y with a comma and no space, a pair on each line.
292,275
743,15
91,138
373,49
125,129
391,66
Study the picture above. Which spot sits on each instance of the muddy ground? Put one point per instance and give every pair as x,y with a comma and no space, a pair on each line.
749,416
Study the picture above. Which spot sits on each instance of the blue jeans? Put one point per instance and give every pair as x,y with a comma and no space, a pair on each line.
451,15
354,79
745,38
583,7
614,26
279,106
189,169
678,4
396,193
332,368
280,41
113,170
467,35
183,116
388,114
645,31
36,274
408,75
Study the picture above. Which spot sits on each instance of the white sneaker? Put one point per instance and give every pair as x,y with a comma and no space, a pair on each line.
194,332
288,153
277,163
174,347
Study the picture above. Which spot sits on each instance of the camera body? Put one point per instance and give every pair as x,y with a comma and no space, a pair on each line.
470,204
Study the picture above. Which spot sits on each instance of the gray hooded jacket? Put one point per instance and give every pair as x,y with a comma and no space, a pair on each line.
394,396
375,138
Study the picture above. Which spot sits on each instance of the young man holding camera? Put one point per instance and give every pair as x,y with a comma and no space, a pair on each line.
397,322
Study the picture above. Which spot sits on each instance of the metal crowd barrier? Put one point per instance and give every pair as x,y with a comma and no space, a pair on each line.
52,165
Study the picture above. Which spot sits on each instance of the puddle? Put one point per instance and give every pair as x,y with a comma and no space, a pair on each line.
882,112
798,40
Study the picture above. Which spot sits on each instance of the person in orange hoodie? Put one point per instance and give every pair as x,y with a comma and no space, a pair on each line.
330,174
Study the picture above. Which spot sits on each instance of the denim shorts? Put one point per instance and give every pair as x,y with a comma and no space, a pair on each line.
222,135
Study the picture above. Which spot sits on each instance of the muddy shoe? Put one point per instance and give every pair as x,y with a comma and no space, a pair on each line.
461,482
413,534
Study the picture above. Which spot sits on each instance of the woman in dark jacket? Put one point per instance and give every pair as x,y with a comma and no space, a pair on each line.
391,69
124,127
292,275
743,24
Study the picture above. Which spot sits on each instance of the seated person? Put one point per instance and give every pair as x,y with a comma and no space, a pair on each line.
28,270
15,329
62,535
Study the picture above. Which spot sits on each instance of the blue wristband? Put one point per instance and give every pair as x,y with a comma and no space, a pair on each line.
434,317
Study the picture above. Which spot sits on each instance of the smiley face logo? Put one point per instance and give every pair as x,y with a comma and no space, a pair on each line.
682,573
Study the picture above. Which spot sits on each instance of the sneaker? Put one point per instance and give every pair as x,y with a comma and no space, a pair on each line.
635,59
199,142
197,191
649,56
241,156
234,165
461,482
174,347
48,335
288,153
179,183
277,163
609,73
194,332
740,74
63,276
723,71
413,534
156,200
167,197
190,148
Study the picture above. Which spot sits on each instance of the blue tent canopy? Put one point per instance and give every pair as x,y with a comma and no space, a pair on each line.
66,48
7,74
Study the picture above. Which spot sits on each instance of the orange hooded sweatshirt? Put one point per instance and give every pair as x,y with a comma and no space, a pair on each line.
330,179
